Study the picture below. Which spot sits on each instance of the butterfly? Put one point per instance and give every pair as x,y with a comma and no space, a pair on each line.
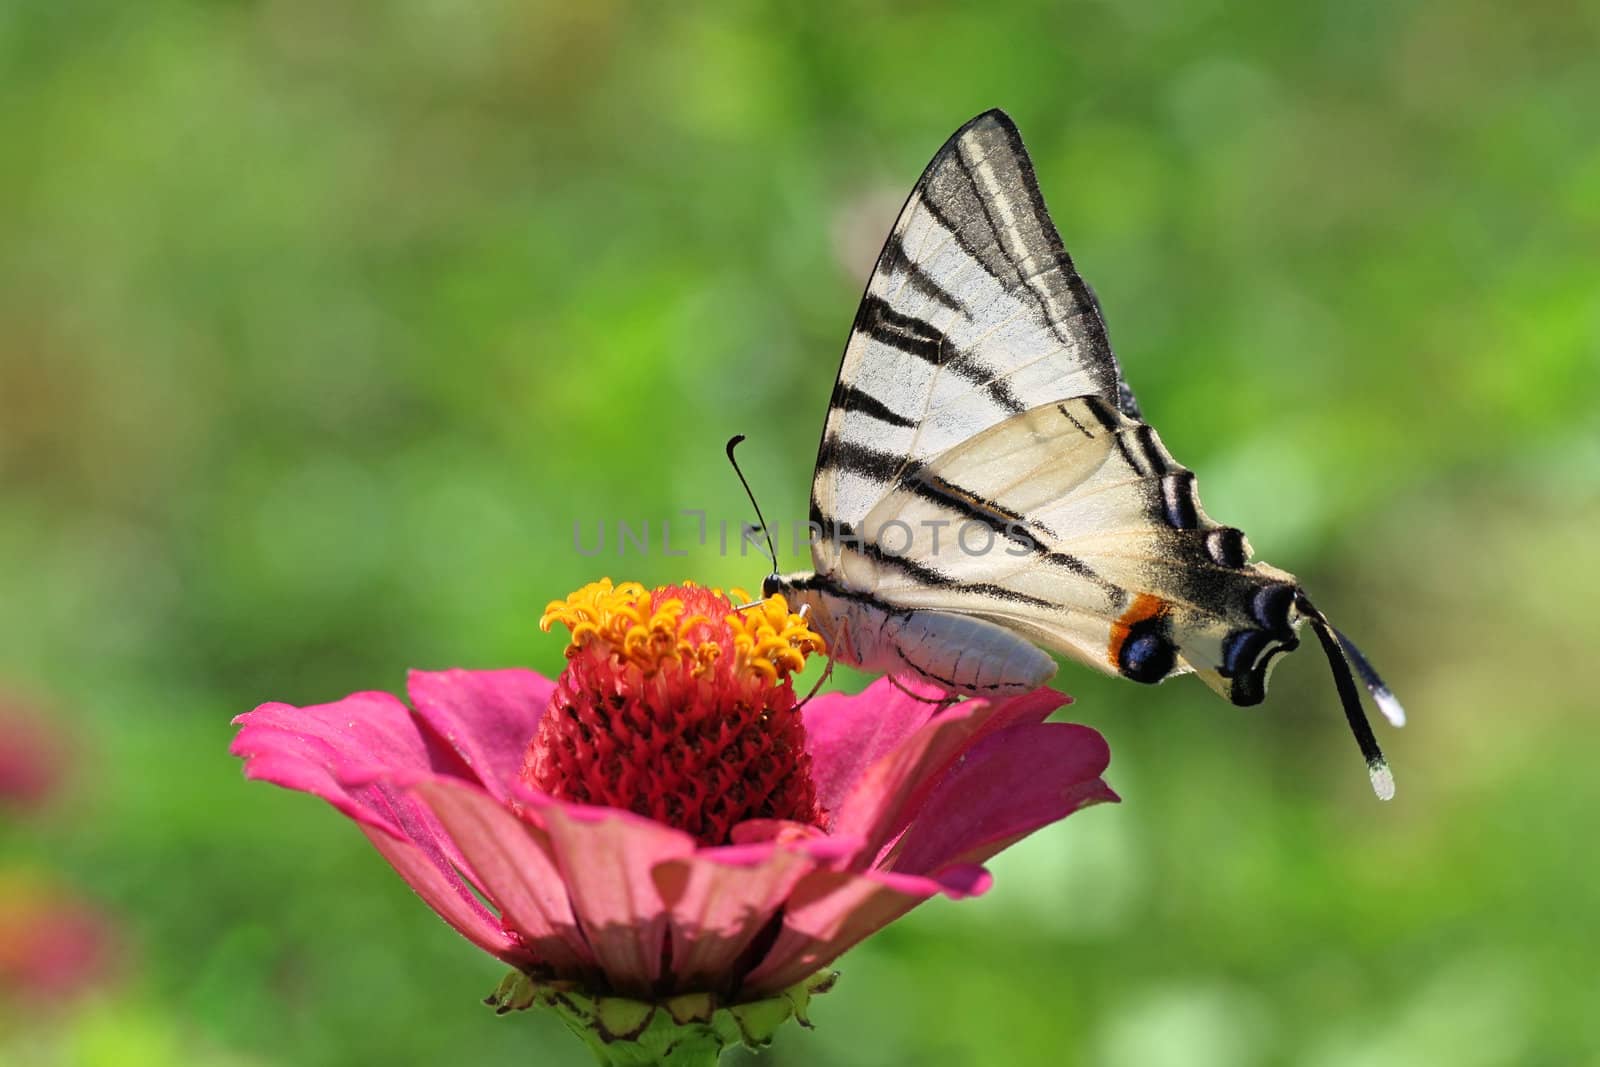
987,491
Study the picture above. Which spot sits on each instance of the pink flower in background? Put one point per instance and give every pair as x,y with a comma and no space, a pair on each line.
663,819
52,946
33,757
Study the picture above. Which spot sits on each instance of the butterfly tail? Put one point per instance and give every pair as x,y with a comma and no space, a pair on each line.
1339,663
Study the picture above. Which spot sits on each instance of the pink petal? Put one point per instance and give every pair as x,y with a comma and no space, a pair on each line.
487,718
510,859
719,903
314,749
720,900
829,912
351,754
846,734
761,831
1031,707
1007,786
605,857
449,898
886,798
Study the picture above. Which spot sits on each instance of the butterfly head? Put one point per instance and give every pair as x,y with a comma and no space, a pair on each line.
799,591
808,595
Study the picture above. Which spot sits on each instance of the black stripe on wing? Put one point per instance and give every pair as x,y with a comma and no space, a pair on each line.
967,505
1025,255
1180,505
895,259
885,467
1006,523
907,333
929,576
921,339
859,400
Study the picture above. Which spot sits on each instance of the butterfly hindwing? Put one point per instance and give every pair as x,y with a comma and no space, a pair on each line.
1072,523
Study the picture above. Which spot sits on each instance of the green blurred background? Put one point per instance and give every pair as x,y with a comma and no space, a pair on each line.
322,324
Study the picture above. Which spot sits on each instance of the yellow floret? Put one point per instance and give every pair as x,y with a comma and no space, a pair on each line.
770,639
648,628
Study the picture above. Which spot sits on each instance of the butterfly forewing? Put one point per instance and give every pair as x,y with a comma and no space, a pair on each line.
973,314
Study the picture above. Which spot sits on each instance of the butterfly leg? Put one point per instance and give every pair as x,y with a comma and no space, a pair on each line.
944,702
827,672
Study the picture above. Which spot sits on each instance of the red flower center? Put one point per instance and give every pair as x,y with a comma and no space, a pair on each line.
675,707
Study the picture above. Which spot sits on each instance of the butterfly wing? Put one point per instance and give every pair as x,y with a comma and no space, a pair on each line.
978,391
973,314
1072,524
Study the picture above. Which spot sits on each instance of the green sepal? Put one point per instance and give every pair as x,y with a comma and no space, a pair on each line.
690,1030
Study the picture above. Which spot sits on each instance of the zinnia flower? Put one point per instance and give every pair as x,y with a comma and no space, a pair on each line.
661,834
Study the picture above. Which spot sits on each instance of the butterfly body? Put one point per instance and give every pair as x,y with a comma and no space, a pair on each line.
961,654
986,487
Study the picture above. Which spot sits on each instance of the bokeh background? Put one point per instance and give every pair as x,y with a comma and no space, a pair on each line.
321,325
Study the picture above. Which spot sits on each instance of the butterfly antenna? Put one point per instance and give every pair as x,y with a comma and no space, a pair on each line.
1350,697
1382,695
772,549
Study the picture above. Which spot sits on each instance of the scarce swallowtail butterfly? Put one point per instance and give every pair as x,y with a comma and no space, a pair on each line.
986,484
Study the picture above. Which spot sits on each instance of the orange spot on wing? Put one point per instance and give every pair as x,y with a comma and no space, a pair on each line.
1144,607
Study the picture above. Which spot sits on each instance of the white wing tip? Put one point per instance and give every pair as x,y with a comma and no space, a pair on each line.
1382,779
1389,706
